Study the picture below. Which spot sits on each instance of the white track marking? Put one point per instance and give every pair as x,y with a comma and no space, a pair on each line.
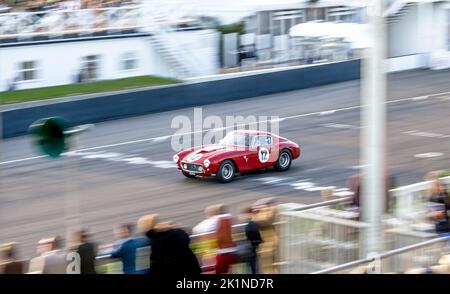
304,185
341,126
358,167
327,112
120,157
271,180
420,98
22,159
159,138
428,155
426,134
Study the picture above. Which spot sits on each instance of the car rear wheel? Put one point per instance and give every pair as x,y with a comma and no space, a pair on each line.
226,171
188,175
284,161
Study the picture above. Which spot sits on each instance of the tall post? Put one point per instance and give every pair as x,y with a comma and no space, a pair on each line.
373,139
72,194
2,226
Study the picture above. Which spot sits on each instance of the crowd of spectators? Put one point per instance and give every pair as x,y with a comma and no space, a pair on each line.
47,17
43,5
173,249
215,245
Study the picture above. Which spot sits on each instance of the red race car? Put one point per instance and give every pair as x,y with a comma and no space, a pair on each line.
238,152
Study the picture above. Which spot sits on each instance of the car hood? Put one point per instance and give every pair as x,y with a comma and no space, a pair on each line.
202,153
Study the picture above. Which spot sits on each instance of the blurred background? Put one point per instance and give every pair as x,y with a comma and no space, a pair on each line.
362,86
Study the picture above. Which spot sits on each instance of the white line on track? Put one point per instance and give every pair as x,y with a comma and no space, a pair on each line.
161,138
22,159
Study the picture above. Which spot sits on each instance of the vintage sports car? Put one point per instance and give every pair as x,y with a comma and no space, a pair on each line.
238,152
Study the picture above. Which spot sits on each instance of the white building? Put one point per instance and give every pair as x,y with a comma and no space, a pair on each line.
61,47
417,30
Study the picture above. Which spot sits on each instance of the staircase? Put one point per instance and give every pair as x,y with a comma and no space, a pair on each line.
174,56
180,59
397,10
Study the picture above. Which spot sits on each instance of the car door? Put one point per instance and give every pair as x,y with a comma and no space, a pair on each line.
242,153
261,152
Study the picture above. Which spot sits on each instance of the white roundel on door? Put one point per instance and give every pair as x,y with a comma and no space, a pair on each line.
263,154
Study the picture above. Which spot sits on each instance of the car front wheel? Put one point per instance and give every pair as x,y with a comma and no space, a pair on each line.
284,161
226,171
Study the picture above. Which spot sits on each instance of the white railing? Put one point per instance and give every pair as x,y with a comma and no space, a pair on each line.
409,202
320,237
317,238
420,255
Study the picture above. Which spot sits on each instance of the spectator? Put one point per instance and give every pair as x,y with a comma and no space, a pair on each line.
142,242
265,214
439,211
171,254
252,233
11,264
125,248
209,224
354,185
56,259
51,257
12,85
219,224
226,247
36,264
87,251
205,233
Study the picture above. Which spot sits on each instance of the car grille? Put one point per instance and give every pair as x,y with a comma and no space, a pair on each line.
192,167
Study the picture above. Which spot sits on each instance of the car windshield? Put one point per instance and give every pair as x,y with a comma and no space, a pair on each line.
235,139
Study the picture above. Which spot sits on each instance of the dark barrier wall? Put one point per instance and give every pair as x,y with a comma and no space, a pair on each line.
114,106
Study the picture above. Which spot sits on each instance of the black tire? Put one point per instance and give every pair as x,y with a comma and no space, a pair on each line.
187,175
226,171
284,161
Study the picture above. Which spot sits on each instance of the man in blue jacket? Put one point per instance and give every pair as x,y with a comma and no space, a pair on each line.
126,246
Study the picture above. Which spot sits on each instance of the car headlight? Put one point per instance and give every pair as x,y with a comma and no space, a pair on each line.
176,158
206,163
200,169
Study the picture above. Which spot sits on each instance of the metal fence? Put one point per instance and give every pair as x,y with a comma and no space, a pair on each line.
421,255
324,236
316,239
409,202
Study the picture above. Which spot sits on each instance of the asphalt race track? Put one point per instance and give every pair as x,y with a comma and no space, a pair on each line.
123,169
